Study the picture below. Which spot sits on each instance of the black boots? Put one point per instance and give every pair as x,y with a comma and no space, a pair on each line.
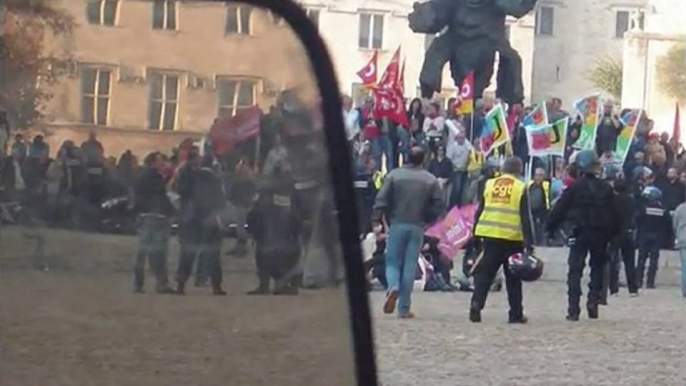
592,308
475,315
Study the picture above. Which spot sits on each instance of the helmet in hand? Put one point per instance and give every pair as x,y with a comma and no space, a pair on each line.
525,266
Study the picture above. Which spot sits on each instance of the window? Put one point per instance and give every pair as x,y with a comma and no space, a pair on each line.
235,95
371,31
164,101
95,95
164,14
621,23
545,20
313,14
627,20
103,12
238,20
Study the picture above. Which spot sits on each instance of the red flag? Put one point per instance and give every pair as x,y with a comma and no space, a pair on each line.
368,72
390,103
401,79
228,132
389,79
676,132
464,103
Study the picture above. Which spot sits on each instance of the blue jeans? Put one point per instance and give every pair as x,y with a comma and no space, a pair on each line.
402,254
383,145
682,254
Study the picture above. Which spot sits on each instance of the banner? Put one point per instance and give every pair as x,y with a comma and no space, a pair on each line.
630,120
228,132
464,103
537,117
494,132
454,230
368,73
589,108
547,140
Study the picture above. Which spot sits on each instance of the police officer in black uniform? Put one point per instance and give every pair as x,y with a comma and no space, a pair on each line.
590,205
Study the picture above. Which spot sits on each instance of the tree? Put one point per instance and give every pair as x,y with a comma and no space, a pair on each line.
27,69
607,76
671,72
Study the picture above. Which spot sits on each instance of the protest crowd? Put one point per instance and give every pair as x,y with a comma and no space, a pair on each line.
465,145
275,173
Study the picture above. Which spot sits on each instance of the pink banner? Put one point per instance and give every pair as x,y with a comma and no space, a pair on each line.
453,230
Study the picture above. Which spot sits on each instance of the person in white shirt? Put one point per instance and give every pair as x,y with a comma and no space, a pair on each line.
434,126
351,118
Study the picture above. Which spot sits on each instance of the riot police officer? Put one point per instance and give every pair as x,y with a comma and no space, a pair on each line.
590,205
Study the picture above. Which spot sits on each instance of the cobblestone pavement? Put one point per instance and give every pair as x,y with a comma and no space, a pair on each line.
637,341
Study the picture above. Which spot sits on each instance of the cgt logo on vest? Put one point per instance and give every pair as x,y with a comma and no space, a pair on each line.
502,191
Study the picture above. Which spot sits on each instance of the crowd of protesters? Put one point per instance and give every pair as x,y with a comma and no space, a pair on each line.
654,160
256,188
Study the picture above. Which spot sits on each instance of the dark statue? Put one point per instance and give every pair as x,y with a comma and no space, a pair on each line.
469,33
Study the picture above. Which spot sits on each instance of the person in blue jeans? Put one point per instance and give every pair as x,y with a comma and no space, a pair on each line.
679,226
410,197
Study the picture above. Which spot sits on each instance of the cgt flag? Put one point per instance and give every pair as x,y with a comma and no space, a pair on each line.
389,79
390,103
464,103
494,132
368,72
547,140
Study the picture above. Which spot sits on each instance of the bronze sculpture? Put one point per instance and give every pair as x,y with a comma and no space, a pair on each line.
469,33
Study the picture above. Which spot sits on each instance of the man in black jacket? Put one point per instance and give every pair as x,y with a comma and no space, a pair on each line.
153,208
589,203
623,248
205,201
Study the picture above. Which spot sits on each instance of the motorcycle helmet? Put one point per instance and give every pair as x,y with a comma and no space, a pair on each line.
525,267
651,193
587,161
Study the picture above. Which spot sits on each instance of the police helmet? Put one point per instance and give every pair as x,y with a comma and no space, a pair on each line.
587,161
525,266
651,193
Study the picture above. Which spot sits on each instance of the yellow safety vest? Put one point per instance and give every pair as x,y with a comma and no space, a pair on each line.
476,161
377,180
546,192
500,217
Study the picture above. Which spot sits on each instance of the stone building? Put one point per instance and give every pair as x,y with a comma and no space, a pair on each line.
571,35
149,73
665,26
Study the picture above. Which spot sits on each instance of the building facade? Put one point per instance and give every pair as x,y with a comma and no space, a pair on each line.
148,73
665,27
571,36
158,71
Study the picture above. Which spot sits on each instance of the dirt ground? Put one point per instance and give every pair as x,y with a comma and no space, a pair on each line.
80,324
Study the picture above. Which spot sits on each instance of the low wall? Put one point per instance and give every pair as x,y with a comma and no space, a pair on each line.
669,273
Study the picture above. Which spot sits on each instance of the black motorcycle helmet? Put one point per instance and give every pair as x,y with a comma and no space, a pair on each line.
525,266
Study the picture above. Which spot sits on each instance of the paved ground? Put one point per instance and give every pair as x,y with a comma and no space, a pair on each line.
79,324
638,341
